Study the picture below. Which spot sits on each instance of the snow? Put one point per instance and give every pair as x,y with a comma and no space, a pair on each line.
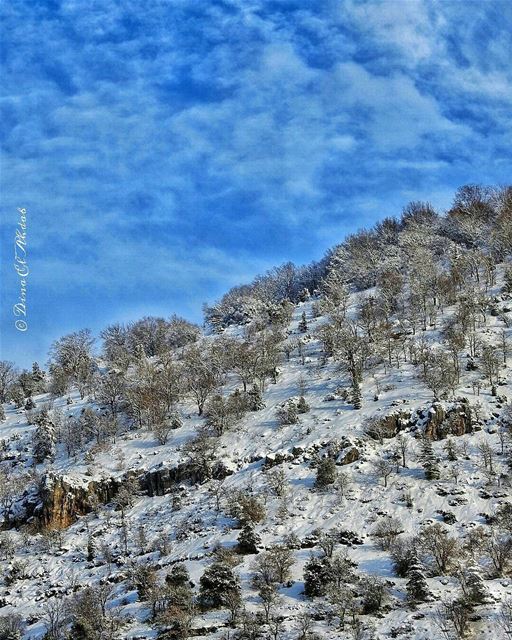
244,450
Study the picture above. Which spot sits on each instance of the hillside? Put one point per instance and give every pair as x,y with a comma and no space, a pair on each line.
330,458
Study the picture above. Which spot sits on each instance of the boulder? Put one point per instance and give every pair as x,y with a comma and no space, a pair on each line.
347,456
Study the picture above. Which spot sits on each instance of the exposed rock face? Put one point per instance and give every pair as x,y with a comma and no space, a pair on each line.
159,482
394,423
440,422
62,501
349,455
273,459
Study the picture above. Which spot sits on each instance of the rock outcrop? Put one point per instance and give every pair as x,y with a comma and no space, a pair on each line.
438,422
395,422
348,455
63,501
160,481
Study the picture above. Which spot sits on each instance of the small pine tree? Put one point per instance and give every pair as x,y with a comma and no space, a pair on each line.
474,586
356,395
219,586
178,576
417,586
30,404
303,324
326,473
44,438
451,451
2,413
302,405
429,460
248,540
507,287
255,399
317,576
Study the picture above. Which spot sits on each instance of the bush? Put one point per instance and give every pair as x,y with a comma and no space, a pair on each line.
317,576
218,586
387,531
302,405
287,413
326,473
246,507
248,540
403,554
374,592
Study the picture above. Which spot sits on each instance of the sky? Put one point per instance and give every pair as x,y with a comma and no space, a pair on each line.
168,150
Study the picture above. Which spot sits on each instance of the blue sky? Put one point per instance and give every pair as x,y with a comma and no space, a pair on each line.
168,150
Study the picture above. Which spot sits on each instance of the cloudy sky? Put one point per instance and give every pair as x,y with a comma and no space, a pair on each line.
166,150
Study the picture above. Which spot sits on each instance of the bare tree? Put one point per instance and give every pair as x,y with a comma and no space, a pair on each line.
453,616
109,390
8,375
54,617
277,481
202,374
505,617
383,468
402,442
499,550
440,546
73,353
342,484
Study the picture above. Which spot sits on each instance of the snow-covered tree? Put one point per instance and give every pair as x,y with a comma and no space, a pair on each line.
417,585
248,540
219,414
73,354
441,548
317,576
429,460
473,584
44,438
326,473
8,376
218,586
202,374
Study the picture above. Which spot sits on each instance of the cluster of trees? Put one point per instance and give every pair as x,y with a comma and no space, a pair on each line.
478,223
147,393
418,267
267,296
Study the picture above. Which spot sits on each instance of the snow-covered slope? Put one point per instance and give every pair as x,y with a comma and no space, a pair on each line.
51,566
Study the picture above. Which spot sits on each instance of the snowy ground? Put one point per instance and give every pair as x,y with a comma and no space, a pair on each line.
244,449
